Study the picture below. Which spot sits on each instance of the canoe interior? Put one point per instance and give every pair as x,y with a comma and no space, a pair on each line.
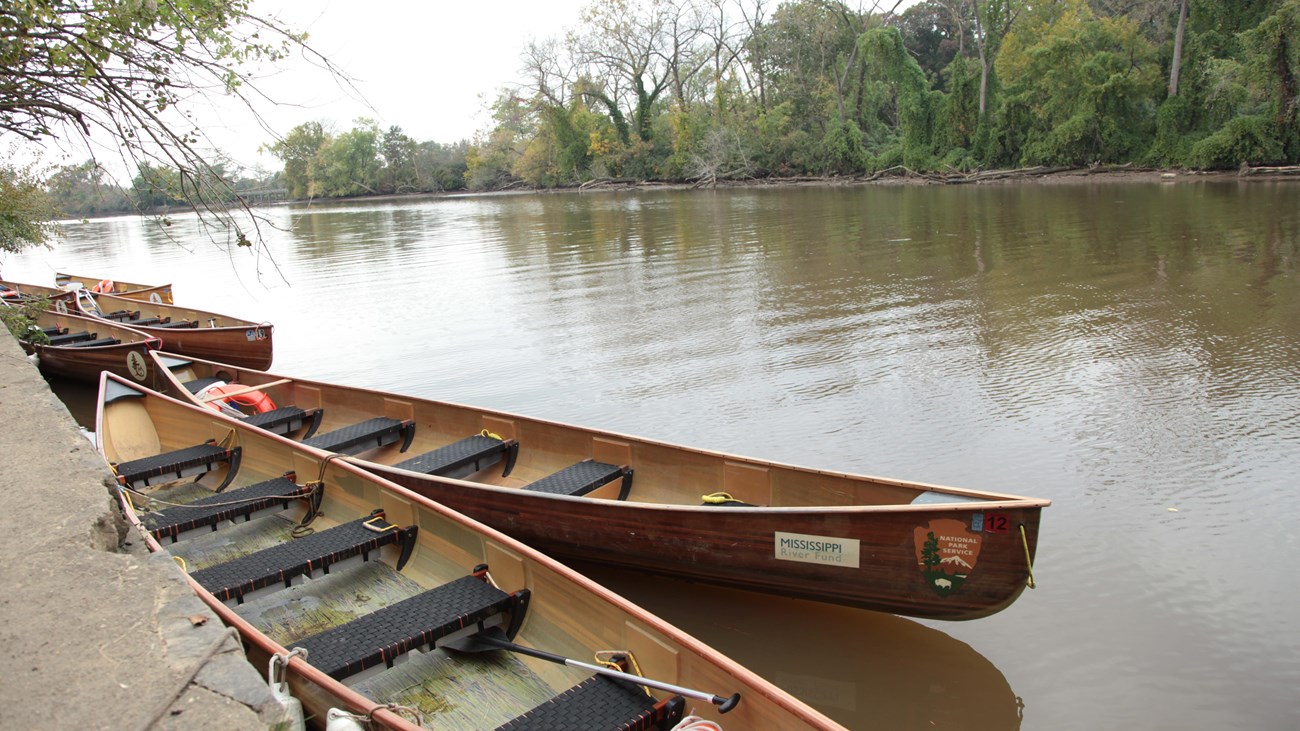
665,474
132,290
567,615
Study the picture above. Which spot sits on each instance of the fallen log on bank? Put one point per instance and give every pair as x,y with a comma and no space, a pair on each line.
1269,170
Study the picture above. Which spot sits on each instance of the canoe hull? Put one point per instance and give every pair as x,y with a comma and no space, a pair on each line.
241,343
770,550
129,358
826,536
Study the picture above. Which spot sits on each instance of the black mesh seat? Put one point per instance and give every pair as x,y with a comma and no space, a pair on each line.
197,460
287,419
600,702
67,338
455,609
474,453
304,556
94,342
581,478
369,434
178,323
246,502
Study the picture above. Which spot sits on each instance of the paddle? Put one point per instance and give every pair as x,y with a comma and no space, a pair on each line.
493,638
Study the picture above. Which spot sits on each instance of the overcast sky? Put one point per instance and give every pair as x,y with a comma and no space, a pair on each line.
428,67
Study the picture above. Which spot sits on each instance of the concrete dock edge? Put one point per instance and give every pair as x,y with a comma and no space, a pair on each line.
96,632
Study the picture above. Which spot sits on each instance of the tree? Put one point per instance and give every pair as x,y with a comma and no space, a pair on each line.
348,164
85,190
627,58
25,210
113,74
296,150
1176,64
1079,89
993,21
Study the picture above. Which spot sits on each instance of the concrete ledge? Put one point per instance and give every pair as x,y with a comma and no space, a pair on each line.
94,635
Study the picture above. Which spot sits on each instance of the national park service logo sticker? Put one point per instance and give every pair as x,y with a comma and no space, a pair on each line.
946,552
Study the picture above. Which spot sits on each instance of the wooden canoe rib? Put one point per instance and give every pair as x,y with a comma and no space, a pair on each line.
889,545
387,591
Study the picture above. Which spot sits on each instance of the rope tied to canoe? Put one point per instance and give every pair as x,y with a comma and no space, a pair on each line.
695,723
149,501
1029,561
608,659
490,435
407,712
719,498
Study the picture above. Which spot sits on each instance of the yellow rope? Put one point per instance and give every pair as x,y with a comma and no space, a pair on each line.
1028,561
181,561
718,498
491,435
606,658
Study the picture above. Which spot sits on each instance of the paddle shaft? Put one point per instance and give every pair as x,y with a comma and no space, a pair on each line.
724,704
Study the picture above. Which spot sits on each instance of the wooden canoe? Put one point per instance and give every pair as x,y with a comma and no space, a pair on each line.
183,330
17,291
297,549
890,545
81,347
157,293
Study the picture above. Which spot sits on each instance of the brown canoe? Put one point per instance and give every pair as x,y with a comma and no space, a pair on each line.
183,330
187,331
81,347
889,545
296,549
157,293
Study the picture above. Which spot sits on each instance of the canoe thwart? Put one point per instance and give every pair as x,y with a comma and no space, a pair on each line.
287,419
579,479
369,434
460,607
197,460
473,452
601,702
246,502
302,557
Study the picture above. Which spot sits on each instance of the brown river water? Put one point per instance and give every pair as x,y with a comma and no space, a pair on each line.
1129,350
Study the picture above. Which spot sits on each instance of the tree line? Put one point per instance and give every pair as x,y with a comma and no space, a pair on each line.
707,90
715,89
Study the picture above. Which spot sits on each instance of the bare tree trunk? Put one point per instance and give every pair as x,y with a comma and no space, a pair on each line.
1177,63
980,43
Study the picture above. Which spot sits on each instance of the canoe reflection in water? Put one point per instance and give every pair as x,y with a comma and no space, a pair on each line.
866,670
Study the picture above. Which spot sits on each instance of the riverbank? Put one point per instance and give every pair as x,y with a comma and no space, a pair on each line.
97,633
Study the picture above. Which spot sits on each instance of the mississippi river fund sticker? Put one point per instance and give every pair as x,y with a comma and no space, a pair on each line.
817,549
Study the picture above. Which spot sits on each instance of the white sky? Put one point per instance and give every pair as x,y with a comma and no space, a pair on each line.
430,67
